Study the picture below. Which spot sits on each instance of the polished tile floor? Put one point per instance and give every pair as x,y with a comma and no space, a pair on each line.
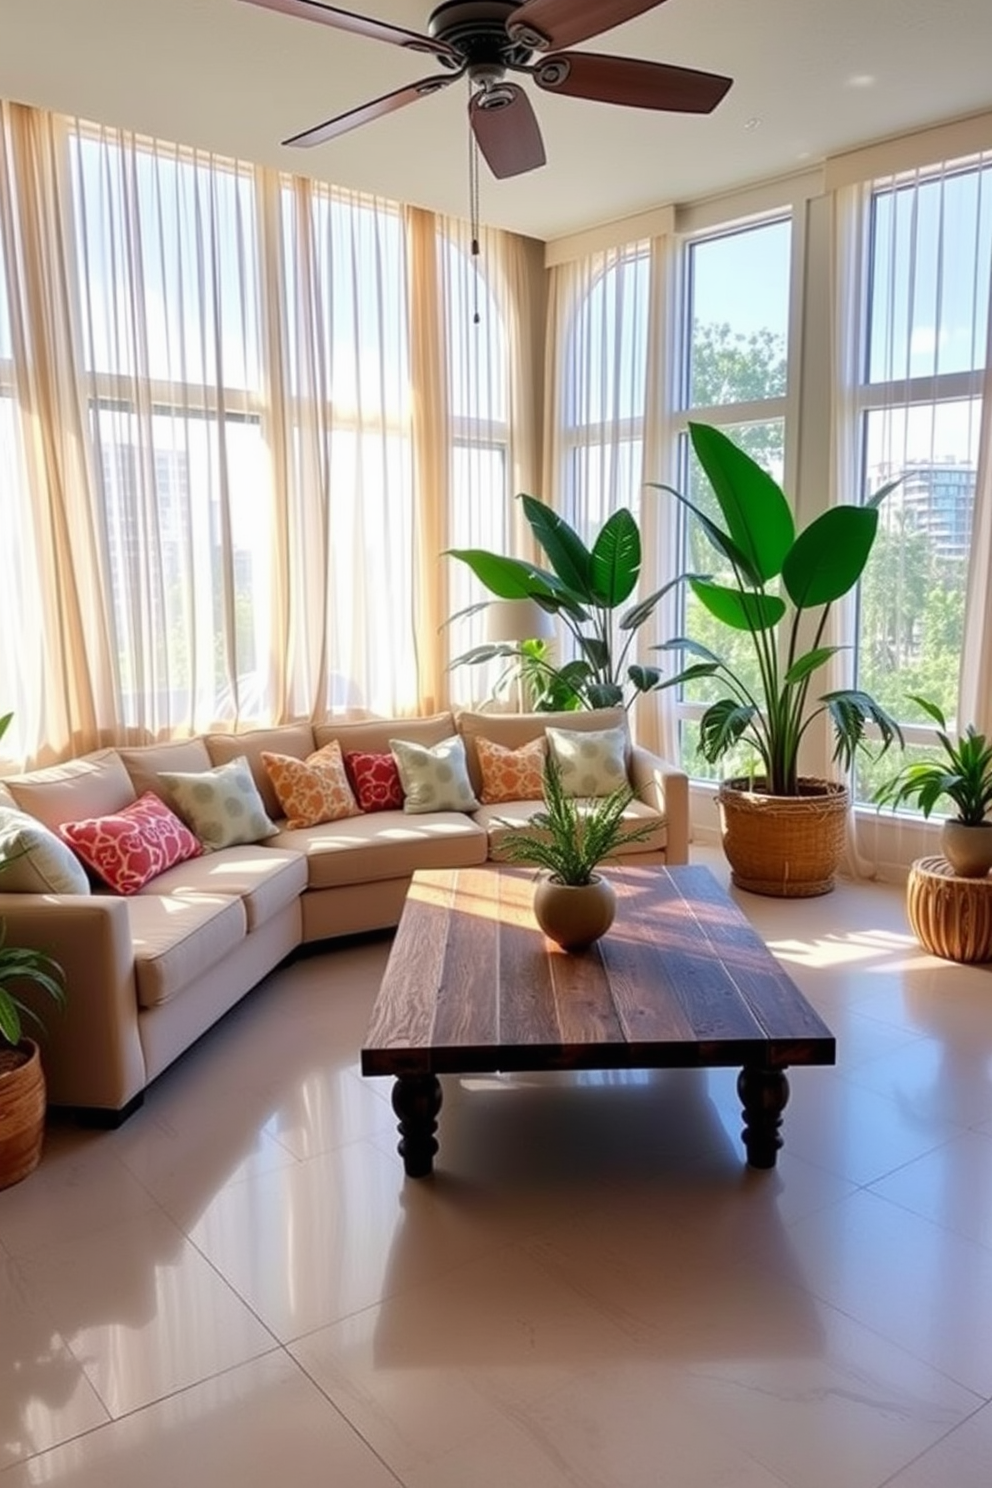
240,1288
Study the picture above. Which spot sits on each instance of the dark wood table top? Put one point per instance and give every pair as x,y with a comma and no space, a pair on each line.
681,979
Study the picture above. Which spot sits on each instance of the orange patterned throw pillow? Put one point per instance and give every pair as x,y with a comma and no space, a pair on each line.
511,774
313,790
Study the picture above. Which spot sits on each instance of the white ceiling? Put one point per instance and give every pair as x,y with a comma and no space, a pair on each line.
811,77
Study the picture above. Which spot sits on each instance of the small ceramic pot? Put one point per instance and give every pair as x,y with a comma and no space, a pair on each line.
574,915
967,849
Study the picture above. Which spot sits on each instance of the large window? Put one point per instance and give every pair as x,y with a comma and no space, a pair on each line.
734,368
928,246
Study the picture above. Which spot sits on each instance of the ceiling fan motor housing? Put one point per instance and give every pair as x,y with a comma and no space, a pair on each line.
476,31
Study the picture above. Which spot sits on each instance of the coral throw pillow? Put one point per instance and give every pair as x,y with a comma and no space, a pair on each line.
132,846
511,774
375,780
313,790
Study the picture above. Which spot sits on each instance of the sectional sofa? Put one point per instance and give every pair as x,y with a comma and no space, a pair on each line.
148,972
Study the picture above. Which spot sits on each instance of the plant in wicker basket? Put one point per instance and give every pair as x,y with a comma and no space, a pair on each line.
574,904
22,1087
762,553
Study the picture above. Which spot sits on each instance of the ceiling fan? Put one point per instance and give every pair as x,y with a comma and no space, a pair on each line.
483,40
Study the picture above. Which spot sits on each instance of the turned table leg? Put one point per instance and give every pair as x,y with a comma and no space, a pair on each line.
763,1094
417,1101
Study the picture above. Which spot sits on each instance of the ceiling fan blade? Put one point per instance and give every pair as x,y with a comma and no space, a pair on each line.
630,81
387,104
506,129
346,20
543,24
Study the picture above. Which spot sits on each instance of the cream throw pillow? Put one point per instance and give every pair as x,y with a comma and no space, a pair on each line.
34,861
434,779
592,763
222,806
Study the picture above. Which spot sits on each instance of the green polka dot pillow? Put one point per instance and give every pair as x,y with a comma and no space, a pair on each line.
593,762
222,806
434,779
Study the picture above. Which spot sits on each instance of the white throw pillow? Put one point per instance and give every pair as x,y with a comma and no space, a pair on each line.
434,779
34,861
221,806
592,762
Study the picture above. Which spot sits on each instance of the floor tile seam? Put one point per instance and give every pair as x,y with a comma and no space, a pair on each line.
958,1234
857,1075
951,1431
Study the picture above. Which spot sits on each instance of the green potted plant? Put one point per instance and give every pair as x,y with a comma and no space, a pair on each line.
586,588
573,904
962,773
22,1081
783,834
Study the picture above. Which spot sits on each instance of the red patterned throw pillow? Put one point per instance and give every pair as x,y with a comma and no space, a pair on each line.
375,781
132,846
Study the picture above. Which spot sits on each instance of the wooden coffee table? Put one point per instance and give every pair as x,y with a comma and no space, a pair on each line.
681,980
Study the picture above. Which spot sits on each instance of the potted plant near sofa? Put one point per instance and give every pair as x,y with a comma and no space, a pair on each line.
573,904
586,588
22,1081
783,834
962,773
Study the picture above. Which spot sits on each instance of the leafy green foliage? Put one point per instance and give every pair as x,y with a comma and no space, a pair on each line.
763,698
584,587
963,773
570,837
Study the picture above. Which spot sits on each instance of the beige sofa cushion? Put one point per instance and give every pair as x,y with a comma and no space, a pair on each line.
146,763
177,939
93,785
372,735
385,844
295,739
264,879
513,730
498,820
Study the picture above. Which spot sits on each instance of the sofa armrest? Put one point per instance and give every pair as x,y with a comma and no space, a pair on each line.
665,788
91,1049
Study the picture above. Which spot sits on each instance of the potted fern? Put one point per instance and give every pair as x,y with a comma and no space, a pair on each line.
22,1081
573,904
963,774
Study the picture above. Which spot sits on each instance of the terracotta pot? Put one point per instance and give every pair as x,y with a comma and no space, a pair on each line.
786,846
967,849
574,915
22,1115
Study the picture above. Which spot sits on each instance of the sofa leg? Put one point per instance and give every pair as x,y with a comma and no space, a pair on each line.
103,1118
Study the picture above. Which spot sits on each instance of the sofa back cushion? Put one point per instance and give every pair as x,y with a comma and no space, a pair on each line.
93,785
145,764
513,730
295,739
372,735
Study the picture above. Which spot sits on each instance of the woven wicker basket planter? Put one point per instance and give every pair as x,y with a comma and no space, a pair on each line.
22,1117
950,916
785,846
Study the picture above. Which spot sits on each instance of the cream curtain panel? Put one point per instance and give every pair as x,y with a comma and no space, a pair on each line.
241,416
606,431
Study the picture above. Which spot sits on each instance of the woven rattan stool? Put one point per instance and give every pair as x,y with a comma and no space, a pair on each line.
950,916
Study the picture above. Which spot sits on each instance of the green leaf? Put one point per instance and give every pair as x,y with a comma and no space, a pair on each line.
721,726
565,550
805,664
828,558
616,560
850,710
604,695
739,609
692,673
883,491
724,544
929,708
693,648
635,617
508,578
595,650
754,505
5,723
644,679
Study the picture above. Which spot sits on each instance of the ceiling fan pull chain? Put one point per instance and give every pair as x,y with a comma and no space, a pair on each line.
473,192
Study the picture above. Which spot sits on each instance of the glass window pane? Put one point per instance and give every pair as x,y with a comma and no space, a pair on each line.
929,307
739,286
607,352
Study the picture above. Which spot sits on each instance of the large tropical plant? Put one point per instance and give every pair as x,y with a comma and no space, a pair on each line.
778,589
585,587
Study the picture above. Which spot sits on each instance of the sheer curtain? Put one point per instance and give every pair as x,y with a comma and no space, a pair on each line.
235,437
605,429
